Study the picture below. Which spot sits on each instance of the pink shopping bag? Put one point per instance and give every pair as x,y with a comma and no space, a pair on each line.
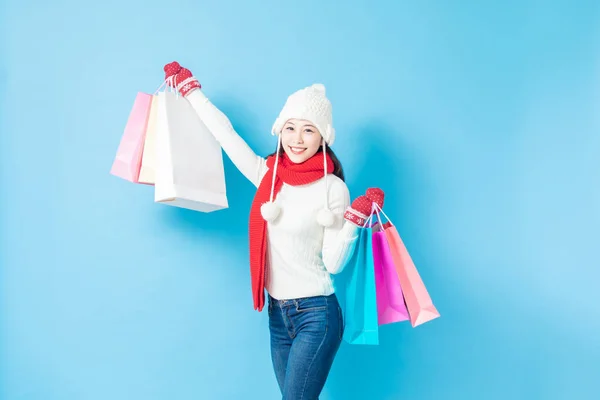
129,154
419,303
390,299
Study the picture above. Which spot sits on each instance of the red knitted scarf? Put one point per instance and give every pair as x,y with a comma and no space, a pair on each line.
292,174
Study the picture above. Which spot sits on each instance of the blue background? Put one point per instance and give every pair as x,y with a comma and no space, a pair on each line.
480,119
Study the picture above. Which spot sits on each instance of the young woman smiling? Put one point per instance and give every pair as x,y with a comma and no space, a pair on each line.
302,229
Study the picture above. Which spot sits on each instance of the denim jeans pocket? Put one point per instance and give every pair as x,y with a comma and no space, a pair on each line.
311,304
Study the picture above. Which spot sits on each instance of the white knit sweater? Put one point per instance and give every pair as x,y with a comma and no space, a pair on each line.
301,254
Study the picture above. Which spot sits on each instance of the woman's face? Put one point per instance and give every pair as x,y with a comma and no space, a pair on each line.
300,140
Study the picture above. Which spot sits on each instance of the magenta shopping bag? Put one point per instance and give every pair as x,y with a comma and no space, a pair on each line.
419,303
129,154
390,299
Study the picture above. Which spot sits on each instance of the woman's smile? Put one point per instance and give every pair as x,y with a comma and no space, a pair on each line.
297,150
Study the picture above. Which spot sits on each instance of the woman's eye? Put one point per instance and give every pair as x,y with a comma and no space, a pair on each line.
289,128
309,131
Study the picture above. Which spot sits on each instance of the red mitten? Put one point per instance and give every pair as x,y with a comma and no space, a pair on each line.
376,195
359,211
362,206
186,82
171,69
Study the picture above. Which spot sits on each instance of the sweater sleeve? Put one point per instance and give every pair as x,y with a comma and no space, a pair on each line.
339,238
252,166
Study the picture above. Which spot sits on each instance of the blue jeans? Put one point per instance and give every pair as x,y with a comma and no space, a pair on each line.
306,334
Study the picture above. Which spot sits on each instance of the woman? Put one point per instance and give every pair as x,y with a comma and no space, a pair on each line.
302,229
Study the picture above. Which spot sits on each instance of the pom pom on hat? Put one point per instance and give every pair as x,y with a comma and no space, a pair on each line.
319,87
325,217
270,211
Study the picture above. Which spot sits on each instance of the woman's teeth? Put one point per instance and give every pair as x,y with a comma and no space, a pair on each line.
297,150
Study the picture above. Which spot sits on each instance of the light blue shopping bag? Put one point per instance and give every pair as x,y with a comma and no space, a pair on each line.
355,288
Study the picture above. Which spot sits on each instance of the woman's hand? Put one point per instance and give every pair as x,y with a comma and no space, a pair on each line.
181,77
362,206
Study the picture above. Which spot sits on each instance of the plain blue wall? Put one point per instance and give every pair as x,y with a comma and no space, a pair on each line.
480,119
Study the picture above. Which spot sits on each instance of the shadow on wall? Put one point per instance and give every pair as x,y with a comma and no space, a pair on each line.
375,372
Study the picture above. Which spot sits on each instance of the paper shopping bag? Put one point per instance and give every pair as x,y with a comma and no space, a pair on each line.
189,169
149,153
419,303
355,287
129,154
390,299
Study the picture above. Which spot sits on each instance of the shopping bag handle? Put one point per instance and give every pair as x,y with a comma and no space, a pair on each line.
366,224
376,209
170,84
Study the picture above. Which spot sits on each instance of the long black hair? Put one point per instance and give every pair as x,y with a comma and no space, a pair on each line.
337,170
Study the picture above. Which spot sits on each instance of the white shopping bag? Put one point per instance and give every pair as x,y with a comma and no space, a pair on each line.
149,154
189,162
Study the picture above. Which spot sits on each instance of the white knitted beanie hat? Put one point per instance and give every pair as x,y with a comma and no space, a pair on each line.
312,105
